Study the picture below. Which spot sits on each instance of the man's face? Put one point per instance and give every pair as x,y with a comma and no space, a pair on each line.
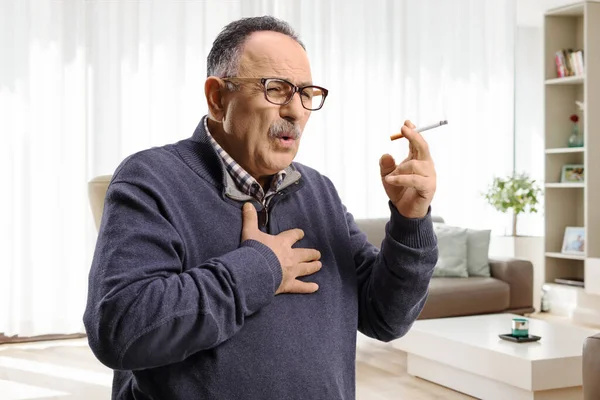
261,136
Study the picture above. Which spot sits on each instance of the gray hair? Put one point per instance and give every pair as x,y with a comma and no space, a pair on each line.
223,59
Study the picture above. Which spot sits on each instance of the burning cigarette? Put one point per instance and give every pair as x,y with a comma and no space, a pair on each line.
421,129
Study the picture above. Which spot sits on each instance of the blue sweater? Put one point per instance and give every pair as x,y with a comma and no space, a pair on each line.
180,309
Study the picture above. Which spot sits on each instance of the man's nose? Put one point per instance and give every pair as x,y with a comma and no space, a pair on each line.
293,111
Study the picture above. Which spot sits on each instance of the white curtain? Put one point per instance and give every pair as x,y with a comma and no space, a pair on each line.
44,216
84,83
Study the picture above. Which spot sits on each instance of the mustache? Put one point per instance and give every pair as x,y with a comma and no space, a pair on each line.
284,127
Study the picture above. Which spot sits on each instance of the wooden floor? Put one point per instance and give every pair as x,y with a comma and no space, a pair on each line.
67,370
381,374
58,369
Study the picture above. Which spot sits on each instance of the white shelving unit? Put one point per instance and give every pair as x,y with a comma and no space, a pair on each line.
562,150
575,26
565,256
564,185
570,80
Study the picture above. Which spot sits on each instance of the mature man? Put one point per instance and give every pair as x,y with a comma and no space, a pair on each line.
223,270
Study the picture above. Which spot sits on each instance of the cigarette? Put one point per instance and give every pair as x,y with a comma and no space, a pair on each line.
421,129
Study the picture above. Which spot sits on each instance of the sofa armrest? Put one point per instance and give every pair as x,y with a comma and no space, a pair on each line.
591,368
518,274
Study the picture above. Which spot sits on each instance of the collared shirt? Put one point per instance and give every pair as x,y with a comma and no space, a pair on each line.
245,182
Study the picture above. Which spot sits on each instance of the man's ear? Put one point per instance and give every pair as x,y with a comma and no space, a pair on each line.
214,90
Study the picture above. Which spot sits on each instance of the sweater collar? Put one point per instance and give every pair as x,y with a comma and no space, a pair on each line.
205,157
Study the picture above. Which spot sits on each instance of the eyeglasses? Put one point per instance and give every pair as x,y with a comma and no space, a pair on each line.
280,92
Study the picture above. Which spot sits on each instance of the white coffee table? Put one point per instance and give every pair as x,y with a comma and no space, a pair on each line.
466,354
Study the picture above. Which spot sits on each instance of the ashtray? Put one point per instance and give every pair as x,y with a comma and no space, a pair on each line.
520,339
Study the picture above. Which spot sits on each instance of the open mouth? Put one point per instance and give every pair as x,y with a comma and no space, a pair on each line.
286,142
286,138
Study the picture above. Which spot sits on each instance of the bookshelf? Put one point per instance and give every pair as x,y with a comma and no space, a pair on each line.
564,185
561,150
569,80
572,204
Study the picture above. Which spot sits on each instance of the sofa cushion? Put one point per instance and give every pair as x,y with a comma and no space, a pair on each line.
374,228
452,249
451,297
478,249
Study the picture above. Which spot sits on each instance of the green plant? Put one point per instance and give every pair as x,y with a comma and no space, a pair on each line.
517,192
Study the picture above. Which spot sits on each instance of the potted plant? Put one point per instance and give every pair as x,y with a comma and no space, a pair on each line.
517,193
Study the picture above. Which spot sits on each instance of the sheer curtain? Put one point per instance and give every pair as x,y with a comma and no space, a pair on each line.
44,216
83,84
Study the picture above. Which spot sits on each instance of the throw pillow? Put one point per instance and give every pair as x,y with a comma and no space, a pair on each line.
478,248
452,245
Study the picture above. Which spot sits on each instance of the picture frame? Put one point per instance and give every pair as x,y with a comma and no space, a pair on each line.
574,240
572,173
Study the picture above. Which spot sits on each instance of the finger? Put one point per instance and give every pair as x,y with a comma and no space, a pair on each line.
418,143
416,181
409,124
417,167
309,268
249,220
302,287
303,255
399,135
292,235
386,164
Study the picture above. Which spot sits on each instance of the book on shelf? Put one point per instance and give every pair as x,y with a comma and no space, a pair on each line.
569,62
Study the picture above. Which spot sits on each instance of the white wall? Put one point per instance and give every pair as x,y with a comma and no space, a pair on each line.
529,98
529,107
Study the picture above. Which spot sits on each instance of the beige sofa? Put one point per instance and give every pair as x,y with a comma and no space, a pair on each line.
509,289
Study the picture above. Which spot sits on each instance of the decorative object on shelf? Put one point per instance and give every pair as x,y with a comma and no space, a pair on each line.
545,302
518,193
576,137
570,281
572,173
574,240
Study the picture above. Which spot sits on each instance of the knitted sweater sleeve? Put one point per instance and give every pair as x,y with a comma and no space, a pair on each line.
393,281
143,309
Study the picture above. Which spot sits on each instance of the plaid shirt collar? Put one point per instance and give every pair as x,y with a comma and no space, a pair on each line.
245,182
